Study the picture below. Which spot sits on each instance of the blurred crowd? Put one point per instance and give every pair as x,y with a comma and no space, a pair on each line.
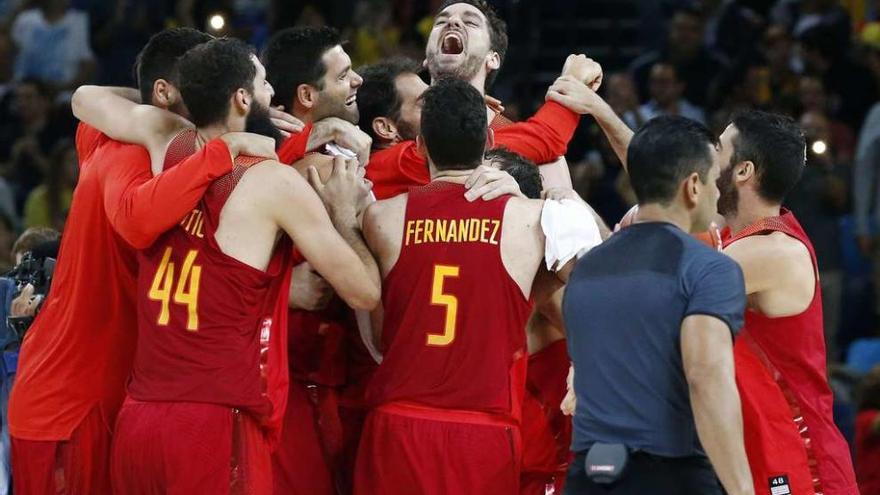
816,60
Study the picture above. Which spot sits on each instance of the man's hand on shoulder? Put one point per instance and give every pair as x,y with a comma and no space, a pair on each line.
250,144
574,95
343,133
488,183
344,191
286,123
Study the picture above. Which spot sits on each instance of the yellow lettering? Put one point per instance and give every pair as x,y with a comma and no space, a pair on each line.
429,230
453,231
441,230
199,227
494,238
410,231
484,229
474,230
462,230
419,231
449,301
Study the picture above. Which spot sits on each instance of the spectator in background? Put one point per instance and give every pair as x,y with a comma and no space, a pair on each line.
866,195
53,45
868,435
812,97
23,305
696,65
621,95
25,142
870,45
799,16
777,47
121,28
849,85
48,203
819,200
666,90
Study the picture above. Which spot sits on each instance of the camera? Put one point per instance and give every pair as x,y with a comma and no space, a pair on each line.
35,268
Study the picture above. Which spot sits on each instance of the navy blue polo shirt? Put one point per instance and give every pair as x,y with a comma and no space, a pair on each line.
623,307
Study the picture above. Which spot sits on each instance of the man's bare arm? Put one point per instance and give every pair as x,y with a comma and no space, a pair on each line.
332,243
582,99
707,358
115,112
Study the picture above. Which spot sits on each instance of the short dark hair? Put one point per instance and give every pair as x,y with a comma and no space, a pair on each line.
454,124
775,144
293,57
33,237
497,30
159,58
664,152
523,170
377,96
211,73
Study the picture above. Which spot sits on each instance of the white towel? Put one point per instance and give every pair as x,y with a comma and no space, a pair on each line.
570,231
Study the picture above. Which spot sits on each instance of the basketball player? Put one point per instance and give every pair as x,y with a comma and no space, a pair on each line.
457,280
206,286
468,42
77,354
791,440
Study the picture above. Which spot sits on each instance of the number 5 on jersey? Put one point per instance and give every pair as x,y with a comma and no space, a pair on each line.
438,298
187,292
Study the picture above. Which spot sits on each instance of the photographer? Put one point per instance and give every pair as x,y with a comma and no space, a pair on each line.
23,307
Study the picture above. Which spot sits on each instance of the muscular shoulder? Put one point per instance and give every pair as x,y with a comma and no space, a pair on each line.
773,261
322,163
382,215
526,212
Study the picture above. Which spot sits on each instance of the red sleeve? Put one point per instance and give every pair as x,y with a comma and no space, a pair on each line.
544,137
394,170
294,147
87,140
142,207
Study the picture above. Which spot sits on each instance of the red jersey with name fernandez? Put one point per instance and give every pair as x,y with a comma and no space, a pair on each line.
204,317
453,334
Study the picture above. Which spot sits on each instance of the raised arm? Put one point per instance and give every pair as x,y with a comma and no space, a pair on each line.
582,99
707,358
117,113
333,243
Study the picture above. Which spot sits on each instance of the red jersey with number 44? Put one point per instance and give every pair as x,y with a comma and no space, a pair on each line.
453,334
204,317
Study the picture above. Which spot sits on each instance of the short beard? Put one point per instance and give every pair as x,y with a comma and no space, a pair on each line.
258,122
406,131
465,71
728,199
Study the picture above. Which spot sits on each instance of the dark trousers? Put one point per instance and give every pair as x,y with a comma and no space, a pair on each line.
648,474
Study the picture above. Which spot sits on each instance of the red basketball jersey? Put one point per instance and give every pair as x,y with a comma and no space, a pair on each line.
454,318
793,351
205,318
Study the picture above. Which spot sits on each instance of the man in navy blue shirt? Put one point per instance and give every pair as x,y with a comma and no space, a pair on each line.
650,317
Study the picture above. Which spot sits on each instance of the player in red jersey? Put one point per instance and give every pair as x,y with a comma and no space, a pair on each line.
458,276
77,354
783,330
206,287
791,439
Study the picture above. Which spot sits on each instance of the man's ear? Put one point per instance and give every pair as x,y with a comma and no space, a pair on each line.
692,189
744,171
305,96
241,101
493,61
385,129
164,94
490,139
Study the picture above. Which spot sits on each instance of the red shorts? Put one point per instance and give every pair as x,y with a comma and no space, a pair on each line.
78,466
184,448
303,463
409,449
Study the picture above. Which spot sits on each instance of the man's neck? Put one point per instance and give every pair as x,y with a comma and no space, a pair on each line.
654,212
454,176
750,212
304,116
210,132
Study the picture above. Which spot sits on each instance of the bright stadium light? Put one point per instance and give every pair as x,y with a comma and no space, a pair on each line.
819,147
217,22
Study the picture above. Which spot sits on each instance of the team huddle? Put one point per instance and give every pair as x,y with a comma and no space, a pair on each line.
283,275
